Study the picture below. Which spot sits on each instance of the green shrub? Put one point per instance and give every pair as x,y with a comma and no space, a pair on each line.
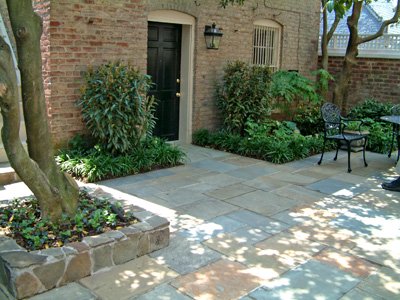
200,137
380,133
380,137
308,118
244,94
277,142
370,108
115,106
289,87
96,164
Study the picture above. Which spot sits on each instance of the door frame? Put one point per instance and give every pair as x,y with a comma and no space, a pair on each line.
187,62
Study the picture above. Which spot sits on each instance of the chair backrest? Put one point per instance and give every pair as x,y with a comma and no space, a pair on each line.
331,115
395,110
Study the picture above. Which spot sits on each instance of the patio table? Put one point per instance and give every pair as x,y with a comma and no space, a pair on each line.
395,120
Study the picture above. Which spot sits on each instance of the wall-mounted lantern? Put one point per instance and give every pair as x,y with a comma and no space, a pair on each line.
213,36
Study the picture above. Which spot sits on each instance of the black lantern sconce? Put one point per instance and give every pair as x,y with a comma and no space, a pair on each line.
213,36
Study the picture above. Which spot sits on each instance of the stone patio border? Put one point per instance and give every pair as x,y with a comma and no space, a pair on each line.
25,273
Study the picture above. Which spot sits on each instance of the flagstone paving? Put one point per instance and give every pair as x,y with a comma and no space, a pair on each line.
246,229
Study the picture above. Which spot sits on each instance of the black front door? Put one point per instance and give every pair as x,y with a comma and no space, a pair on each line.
163,64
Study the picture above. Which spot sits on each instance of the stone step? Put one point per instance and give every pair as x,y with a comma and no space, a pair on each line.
7,174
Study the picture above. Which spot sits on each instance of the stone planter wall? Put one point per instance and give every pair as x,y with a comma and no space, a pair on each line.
25,273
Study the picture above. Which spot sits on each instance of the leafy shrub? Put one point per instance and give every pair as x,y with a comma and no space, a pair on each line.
115,106
370,108
288,88
23,222
244,94
274,141
96,164
308,118
380,133
380,137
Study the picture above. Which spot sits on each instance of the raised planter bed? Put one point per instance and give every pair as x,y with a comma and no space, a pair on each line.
25,273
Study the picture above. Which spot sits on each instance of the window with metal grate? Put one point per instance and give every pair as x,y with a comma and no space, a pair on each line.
267,44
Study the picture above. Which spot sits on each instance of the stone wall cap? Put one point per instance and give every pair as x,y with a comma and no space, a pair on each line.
22,259
97,240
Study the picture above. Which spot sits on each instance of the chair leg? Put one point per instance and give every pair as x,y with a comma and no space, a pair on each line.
364,148
348,156
337,150
398,147
322,154
391,144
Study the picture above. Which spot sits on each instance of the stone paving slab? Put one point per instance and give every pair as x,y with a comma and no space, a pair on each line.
298,193
250,235
258,221
67,292
263,202
263,264
341,239
213,165
130,279
297,248
312,280
206,209
357,294
384,283
293,178
346,262
230,191
251,172
184,256
162,292
265,183
216,282
337,188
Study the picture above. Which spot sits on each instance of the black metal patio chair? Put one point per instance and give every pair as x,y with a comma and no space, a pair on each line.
335,130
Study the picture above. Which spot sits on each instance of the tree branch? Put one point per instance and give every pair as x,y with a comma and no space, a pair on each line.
381,30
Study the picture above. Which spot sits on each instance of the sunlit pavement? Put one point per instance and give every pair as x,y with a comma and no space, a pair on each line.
247,229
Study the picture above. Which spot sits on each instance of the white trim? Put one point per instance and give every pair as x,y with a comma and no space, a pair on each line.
187,62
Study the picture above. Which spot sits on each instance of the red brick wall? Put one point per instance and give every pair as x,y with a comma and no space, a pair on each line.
372,78
82,33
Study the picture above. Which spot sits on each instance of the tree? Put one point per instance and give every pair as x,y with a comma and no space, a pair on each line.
342,82
339,7
56,191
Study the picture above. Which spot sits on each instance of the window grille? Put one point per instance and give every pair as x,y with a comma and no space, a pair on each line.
266,46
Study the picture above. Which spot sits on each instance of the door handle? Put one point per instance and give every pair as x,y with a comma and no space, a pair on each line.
178,95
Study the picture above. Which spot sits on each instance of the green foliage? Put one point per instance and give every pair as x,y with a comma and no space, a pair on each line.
380,137
97,164
277,142
22,221
287,87
244,95
308,119
323,80
115,106
370,108
380,133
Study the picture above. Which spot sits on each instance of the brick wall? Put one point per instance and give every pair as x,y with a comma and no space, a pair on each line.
84,33
372,78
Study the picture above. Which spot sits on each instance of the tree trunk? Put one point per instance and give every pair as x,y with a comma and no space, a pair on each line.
341,89
342,83
27,169
27,29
